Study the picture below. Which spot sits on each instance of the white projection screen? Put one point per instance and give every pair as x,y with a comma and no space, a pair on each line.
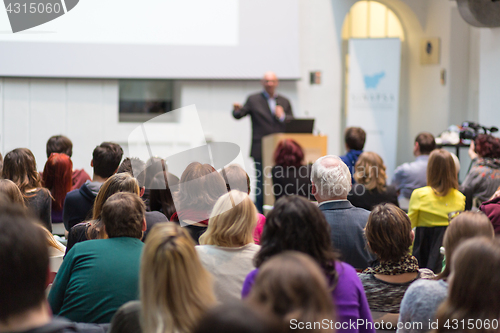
176,39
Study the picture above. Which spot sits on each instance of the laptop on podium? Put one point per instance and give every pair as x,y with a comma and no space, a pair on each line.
299,125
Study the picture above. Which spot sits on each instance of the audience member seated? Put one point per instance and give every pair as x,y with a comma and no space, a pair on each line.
93,229
136,168
290,175
63,145
292,286
389,237
492,209
371,188
483,178
24,259
296,224
410,176
78,204
331,181
354,138
199,188
175,289
473,292
12,192
430,207
56,178
238,317
20,167
154,166
97,277
56,255
423,297
160,197
227,249
239,180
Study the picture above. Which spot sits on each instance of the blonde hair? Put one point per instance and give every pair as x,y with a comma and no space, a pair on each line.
12,192
51,241
231,225
370,171
175,288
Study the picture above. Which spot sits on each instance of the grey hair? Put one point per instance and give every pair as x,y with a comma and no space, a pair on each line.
331,181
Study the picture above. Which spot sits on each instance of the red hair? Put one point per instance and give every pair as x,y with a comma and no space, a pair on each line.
487,146
288,153
57,177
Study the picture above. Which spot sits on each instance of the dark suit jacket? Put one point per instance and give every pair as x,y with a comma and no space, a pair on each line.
347,224
263,121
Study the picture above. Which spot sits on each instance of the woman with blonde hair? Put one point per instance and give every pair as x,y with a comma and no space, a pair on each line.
423,297
227,248
472,304
430,207
120,182
12,192
175,289
371,188
292,286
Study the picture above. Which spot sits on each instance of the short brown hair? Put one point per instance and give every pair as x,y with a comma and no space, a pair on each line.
388,232
106,158
123,215
236,178
426,143
355,138
59,144
441,172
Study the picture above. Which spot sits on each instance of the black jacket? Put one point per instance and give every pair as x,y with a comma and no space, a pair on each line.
78,206
263,121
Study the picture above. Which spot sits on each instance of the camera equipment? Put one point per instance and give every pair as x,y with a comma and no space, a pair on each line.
470,130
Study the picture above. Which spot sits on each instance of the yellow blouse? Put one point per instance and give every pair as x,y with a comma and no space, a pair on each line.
430,210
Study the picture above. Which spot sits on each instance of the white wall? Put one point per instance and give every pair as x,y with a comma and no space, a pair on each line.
489,83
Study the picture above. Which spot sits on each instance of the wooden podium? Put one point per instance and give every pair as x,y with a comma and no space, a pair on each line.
314,147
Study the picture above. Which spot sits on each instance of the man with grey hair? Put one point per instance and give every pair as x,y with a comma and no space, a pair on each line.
331,183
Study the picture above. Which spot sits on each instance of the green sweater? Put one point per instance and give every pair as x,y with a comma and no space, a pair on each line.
96,278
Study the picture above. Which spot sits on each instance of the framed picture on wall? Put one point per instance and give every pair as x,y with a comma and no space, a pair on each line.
430,51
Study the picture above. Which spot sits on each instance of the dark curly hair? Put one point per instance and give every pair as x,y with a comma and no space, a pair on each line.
487,146
288,153
296,224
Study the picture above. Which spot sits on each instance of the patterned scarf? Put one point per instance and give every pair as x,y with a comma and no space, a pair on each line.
407,264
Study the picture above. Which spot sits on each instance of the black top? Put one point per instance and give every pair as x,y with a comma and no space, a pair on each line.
62,325
292,181
40,203
78,206
195,232
368,199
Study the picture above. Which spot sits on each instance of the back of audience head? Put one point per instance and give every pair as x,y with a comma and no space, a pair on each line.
388,232
441,172
288,153
135,167
370,171
175,288
160,196
424,144
464,226
123,215
20,167
487,146
24,260
331,178
59,144
200,187
121,182
474,284
233,220
57,177
296,224
238,317
292,286
236,178
153,166
11,192
355,138
106,159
